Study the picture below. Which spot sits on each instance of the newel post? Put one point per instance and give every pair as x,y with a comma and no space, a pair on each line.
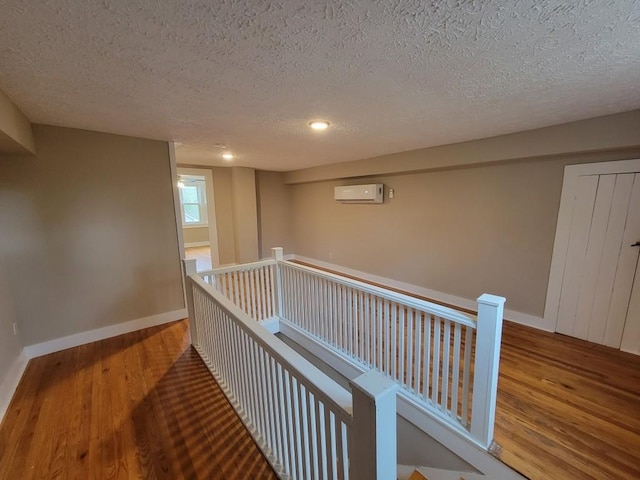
486,365
189,269
372,446
278,256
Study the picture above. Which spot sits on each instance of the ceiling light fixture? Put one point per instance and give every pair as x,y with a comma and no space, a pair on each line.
227,156
319,125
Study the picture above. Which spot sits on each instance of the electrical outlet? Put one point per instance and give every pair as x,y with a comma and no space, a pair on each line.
391,193
15,328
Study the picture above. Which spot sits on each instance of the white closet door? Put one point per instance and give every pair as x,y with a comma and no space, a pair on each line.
601,263
625,274
631,335
631,332
608,267
583,203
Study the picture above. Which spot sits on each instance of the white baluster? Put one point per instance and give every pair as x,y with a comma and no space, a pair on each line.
306,441
387,342
468,340
455,386
417,340
401,345
394,341
379,334
278,256
410,342
446,344
435,376
251,296
427,355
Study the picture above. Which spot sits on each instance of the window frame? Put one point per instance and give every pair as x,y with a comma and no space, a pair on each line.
200,185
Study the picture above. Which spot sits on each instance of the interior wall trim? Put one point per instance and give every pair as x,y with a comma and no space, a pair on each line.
77,339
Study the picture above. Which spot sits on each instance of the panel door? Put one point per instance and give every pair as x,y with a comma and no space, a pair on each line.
601,262
631,334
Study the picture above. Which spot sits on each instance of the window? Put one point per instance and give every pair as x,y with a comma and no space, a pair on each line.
193,200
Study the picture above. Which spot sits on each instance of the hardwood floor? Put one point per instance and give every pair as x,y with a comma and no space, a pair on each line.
567,409
141,405
202,256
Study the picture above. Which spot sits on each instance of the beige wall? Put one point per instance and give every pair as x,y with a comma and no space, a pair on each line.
274,212
88,232
245,214
10,345
16,136
224,214
195,235
461,231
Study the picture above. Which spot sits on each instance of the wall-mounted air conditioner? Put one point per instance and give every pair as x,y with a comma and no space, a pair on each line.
372,193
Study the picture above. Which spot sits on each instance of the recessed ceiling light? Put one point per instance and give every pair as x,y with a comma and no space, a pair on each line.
227,156
319,125
221,146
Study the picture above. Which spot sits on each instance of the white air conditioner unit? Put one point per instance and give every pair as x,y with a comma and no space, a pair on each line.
372,193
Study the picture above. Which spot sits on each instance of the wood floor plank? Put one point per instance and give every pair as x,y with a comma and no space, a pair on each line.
567,408
21,418
141,405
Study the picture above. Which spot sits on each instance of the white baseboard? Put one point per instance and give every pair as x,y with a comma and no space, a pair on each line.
11,381
197,244
512,315
82,338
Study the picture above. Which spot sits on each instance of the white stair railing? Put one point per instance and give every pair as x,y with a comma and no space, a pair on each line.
445,358
250,286
300,418
442,357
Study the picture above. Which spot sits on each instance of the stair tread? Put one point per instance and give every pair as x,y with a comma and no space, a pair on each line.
406,472
416,475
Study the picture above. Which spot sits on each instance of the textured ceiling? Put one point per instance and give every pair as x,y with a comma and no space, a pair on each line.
390,75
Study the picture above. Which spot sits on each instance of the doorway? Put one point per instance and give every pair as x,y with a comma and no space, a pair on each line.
594,286
197,211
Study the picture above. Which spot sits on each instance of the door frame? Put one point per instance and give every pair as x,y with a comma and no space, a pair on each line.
563,227
211,210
